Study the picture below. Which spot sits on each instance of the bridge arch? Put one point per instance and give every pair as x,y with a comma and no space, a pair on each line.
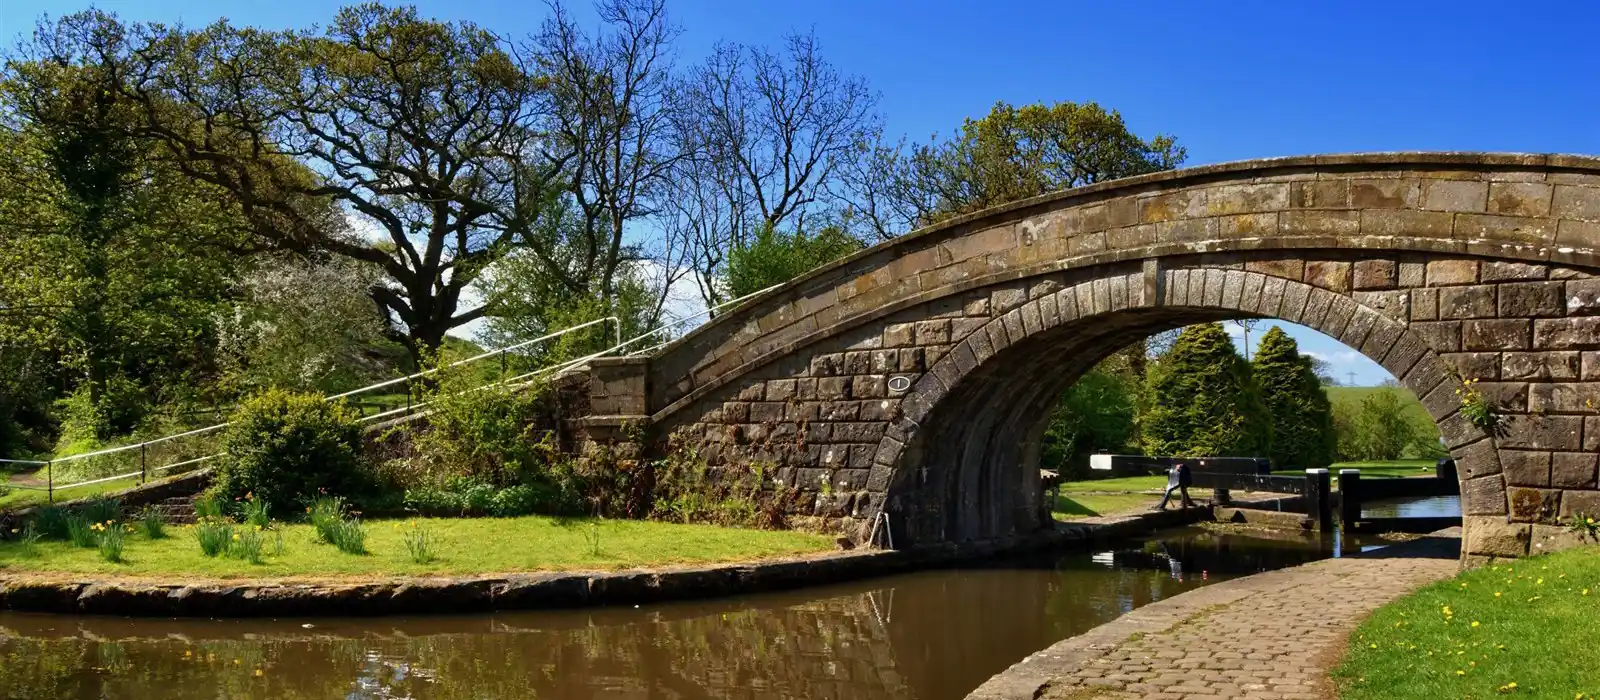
865,372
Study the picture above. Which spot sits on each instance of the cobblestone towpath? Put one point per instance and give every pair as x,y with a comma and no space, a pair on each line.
1271,636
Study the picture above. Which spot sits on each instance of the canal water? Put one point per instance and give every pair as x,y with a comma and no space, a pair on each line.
930,635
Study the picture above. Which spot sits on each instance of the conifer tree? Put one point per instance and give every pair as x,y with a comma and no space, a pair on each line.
1203,400
1301,415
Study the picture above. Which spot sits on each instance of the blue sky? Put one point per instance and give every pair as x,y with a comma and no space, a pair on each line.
1231,80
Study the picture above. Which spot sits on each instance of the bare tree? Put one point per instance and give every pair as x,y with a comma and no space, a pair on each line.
611,98
771,134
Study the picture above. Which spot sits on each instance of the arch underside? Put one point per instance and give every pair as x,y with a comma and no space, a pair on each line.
979,450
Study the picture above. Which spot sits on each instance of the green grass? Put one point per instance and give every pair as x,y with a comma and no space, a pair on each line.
1538,633
463,546
1072,507
23,498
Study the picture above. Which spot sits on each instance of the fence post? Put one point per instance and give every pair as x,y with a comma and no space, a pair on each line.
144,473
408,395
1318,507
50,480
1349,498
502,365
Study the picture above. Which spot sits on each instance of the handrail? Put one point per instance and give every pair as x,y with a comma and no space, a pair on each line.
560,366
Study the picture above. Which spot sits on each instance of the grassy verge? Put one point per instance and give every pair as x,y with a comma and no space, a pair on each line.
1072,507
1518,629
23,498
462,546
1394,468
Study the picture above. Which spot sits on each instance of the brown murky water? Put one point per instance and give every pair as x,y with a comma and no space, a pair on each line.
928,636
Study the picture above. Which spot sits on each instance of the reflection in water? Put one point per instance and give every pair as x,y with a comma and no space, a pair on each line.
1429,507
926,635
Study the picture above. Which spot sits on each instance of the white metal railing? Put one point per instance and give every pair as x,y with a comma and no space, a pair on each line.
144,471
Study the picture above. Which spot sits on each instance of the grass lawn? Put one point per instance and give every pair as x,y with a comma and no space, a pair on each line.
465,546
1125,484
1528,622
1072,507
23,498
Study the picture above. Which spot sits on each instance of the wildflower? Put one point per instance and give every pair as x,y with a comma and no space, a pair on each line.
259,673
1497,594
1461,673
1474,623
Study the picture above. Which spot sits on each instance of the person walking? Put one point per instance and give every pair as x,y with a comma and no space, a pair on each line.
1179,478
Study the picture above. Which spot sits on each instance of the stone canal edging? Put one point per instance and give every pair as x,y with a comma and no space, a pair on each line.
76,594
1265,636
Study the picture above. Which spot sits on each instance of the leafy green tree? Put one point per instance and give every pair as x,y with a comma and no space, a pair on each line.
1301,415
774,257
1203,401
1382,431
116,263
1097,413
1012,153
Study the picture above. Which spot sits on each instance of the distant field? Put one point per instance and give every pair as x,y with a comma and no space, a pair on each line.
1350,397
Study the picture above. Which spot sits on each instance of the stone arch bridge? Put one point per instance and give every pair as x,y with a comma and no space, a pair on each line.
915,378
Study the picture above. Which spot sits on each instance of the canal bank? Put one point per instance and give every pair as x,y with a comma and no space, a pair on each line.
1272,635
927,635
22,590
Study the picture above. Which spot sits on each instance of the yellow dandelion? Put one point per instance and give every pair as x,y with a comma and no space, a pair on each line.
1474,623
1461,673
1497,594
259,673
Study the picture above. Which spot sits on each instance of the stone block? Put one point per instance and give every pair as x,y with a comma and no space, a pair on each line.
1581,503
1530,432
1531,299
1591,434
1448,272
1171,206
1498,271
1319,222
1473,365
1287,268
870,386
1573,470
1247,225
1399,222
1575,202
1473,301
1555,538
1484,495
1385,194
899,335
1493,536
911,359
1006,299
1442,336
1412,274
857,362
1376,274
1590,366
1577,397
1539,365
933,332
1526,467
1479,459
1497,334
1519,198
1533,505
1455,195
1581,333
1583,297
1578,234
1424,304
829,388
1505,228
780,389
1242,199
1329,275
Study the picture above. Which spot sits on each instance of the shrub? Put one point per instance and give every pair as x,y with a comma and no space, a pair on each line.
51,522
81,531
214,536
284,447
109,540
468,497
499,435
152,524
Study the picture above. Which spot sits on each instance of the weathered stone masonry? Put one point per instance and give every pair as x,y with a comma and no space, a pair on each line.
915,378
